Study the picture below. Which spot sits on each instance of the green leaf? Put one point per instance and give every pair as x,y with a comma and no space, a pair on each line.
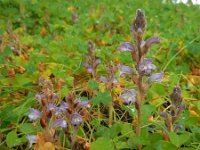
93,84
168,146
178,140
103,132
26,128
12,139
115,130
126,129
104,98
102,144
21,80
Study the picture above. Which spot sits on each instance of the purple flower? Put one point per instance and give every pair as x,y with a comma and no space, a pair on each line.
103,79
125,70
156,77
51,107
129,96
126,46
146,66
152,40
39,97
60,123
76,119
62,108
34,114
32,139
97,61
85,64
64,105
84,104
114,80
89,69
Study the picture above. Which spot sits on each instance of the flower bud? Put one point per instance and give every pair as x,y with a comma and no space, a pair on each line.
43,123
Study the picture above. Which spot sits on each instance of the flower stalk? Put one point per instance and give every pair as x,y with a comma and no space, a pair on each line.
143,67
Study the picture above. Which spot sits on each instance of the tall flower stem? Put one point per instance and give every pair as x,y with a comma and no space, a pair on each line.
74,139
110,120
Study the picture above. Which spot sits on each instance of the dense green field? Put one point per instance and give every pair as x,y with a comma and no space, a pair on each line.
48,40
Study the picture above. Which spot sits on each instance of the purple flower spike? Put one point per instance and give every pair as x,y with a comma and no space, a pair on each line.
126,46
32,139
125,70
156,77
76,119
34,114
103,79
60,123
129,96
146,66
152,40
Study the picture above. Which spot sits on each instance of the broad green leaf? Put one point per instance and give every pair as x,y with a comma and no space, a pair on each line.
26,128
115,130
178,140
93,84
102,144
103,98
13,140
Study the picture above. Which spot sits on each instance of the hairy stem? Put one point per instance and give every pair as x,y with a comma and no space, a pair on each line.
138,106
74,139
110,114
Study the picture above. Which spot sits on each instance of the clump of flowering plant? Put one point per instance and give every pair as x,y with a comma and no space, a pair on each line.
175,111
75,112
47,116
144,67
92,61
67,115
110,81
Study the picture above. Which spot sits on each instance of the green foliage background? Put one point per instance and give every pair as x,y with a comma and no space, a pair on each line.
55,33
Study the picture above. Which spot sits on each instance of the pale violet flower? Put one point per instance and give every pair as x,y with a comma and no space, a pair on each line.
85,104
32,139
76,119
34,114
156,77
152,40
51,107
62,108
105,80
129,96
126,46
146,66
125,70
60,123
